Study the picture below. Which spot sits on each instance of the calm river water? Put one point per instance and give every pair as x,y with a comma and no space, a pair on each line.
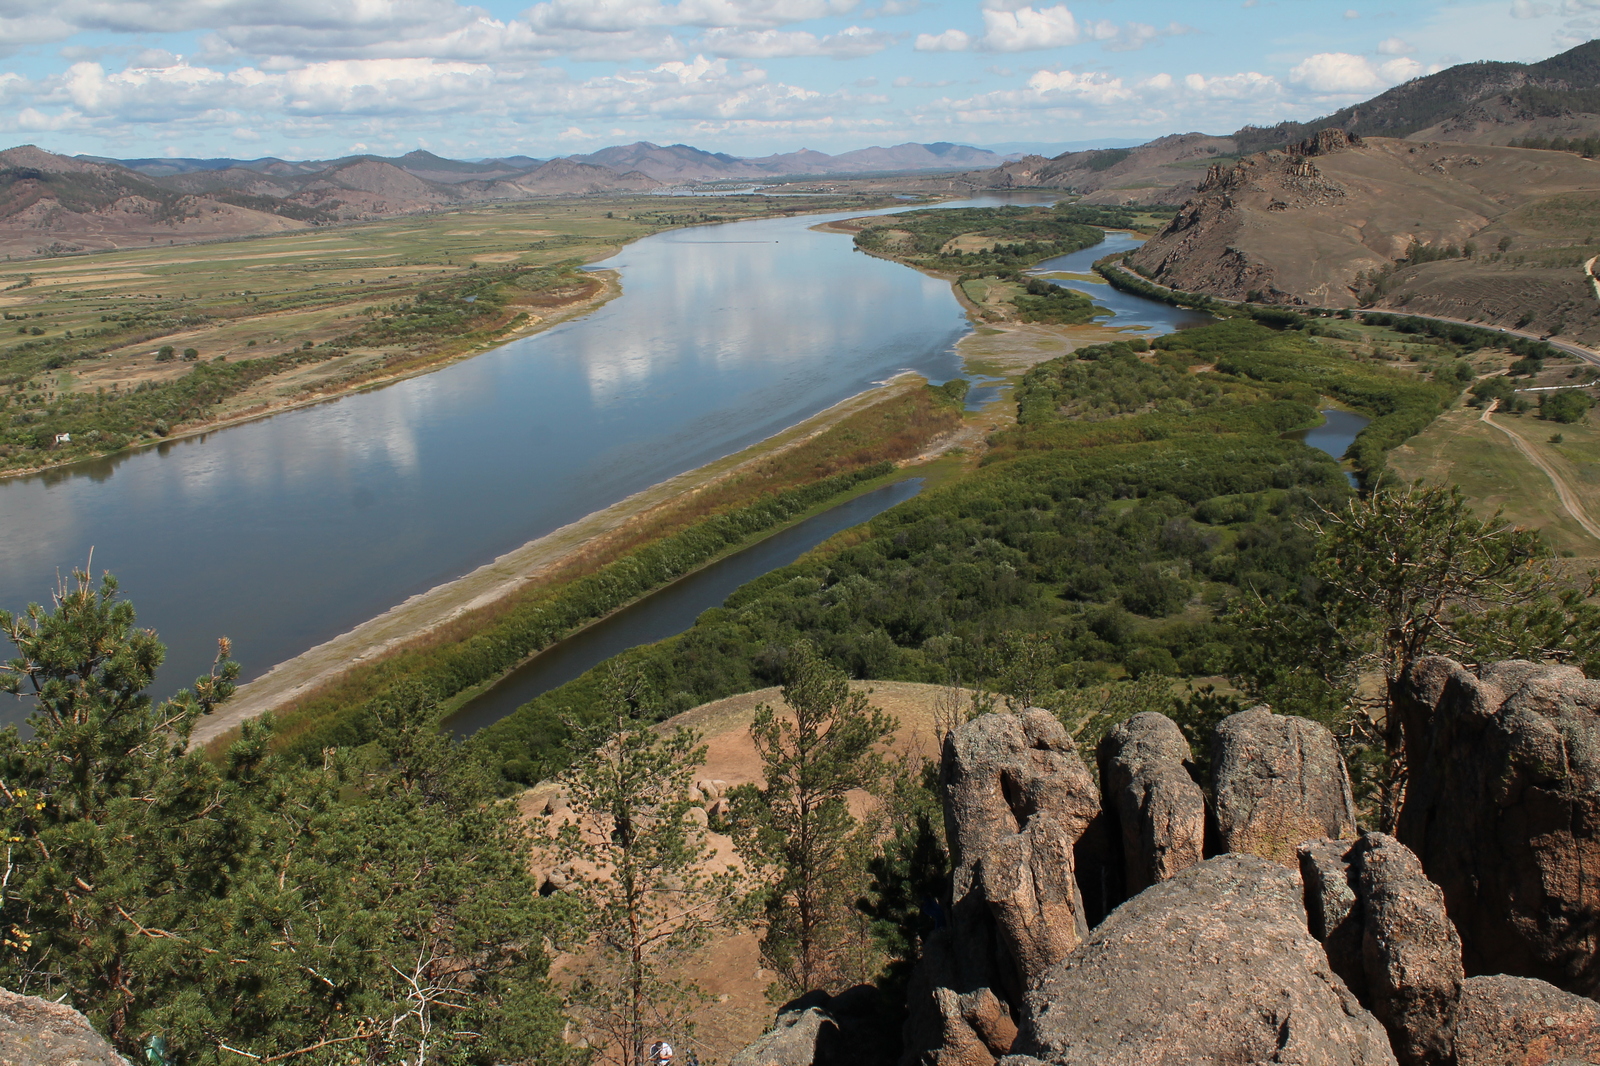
287,531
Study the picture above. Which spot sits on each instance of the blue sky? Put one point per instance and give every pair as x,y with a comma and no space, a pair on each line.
321,78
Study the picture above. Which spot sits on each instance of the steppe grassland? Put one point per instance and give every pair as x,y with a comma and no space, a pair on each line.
1492,473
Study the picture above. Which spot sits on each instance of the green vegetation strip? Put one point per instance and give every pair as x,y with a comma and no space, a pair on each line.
1116,525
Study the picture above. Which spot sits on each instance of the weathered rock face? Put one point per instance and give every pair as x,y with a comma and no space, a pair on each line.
976,1029
1334,912
1503,809
1017,801
1410,951
1523,1021
1159,810
1214,965
791,1042
822,1030
36,1032
1279,781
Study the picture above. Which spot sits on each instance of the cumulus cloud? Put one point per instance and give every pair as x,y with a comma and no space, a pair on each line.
1339,73
1026,29
615,15
1394,46
1529,9
948,41
1052,97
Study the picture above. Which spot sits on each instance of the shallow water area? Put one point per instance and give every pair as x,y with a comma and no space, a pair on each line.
1335,435
1135,315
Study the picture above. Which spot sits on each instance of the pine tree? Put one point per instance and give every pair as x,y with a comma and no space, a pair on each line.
641,863
216,912
798,831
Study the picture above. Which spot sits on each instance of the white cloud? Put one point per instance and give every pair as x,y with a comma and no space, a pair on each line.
1394,46
1528,9
1136,35
1028,29
29,29
1093,87
1352,13
850,43
1336,72
948,41
617,15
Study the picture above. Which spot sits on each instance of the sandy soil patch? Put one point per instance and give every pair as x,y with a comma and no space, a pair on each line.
729,968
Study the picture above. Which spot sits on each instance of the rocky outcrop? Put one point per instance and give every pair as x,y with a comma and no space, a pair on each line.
1523,1021
1333,909
1279,780
1019,807
1411,955
822,1030
37,1032
1503,809
1018,799
1214,965
1159,811
1354,958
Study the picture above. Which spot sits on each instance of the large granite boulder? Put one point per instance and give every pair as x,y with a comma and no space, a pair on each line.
1017,800
1410,952
1503,809
1160,812
1214,965
1278,781
37,1032
1523,1021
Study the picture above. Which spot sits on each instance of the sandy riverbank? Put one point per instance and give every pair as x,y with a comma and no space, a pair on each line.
509,574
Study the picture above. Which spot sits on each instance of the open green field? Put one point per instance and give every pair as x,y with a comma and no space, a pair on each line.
1493,473
332,308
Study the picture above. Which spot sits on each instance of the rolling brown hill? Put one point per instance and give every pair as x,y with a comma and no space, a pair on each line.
52,204
1342,221
1165,171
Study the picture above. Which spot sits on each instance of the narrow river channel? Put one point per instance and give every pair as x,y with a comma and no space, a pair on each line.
670,610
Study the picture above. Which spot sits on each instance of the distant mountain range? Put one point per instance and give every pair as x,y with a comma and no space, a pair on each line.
51,204
668,164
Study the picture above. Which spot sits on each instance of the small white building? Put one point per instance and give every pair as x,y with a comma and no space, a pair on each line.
63,438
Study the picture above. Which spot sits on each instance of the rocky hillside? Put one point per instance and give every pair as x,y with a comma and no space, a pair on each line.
1471,103
1465,231
1165,171
1161,916
1477,103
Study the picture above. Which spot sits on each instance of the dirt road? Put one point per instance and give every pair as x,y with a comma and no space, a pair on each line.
1569,499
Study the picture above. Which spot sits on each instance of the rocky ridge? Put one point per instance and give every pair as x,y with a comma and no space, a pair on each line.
1270,930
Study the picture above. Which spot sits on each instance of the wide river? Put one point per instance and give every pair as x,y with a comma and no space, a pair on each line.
284,532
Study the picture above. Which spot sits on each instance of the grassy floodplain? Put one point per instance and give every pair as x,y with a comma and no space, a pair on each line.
255,325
